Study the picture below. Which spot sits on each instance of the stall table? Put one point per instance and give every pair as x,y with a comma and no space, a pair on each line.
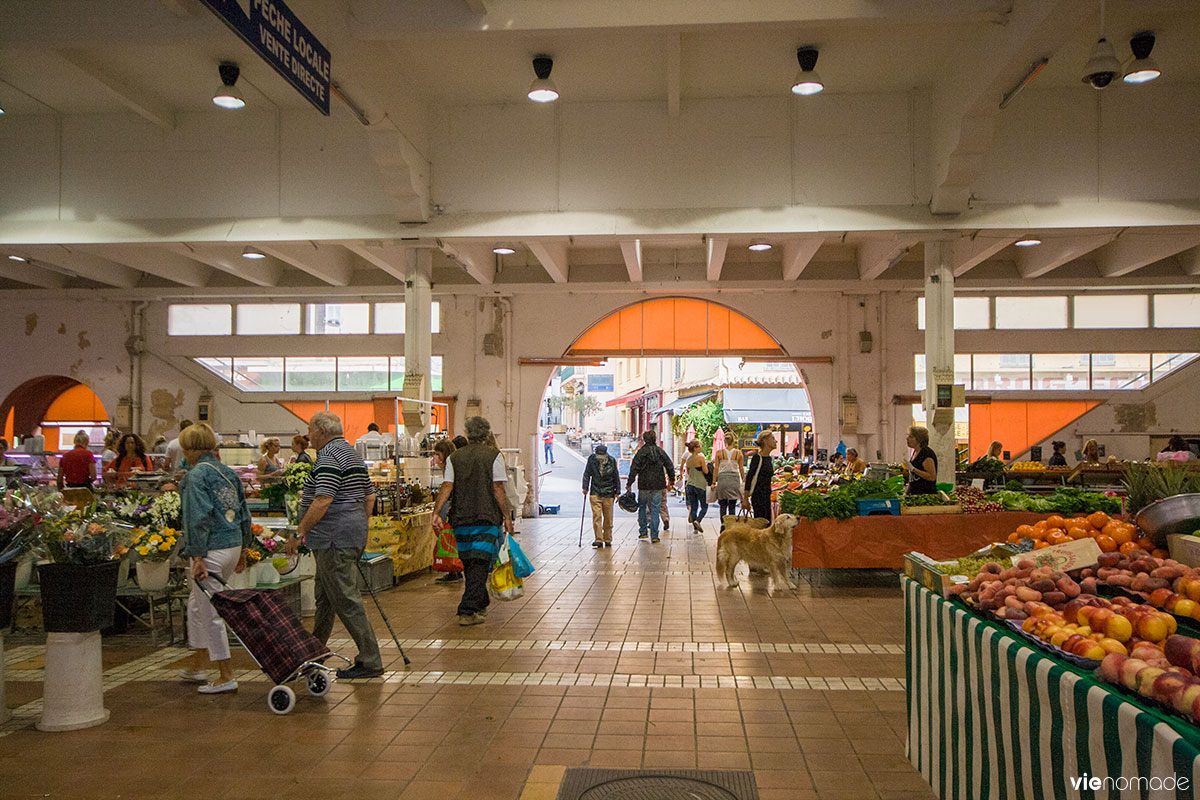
992,716
880,542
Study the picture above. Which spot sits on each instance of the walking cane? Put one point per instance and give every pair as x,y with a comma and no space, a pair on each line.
371,590
582,514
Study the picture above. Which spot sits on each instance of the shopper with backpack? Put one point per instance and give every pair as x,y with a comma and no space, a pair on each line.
653,471
602,483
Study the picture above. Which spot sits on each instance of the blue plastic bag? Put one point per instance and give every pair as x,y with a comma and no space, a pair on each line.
521,565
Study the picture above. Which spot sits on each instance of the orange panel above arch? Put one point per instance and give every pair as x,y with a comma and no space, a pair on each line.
1020,424
676,326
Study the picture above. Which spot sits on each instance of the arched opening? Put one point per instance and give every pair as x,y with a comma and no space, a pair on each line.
57,403
655,364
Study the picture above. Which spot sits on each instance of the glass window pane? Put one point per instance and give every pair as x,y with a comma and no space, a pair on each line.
1031,313
1120,370
1164,364
222,367
333,318
1060,371
311,374
962,370
1000,372
362,374
397,373
1112,311
389,318
199,320
1177,310
268,319
258,374
436,369
970,313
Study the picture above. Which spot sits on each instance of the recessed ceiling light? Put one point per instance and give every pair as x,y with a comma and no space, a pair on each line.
227,96
1143,69
17,258
759,247
1029,241
250,252
503,250
807,82
542,90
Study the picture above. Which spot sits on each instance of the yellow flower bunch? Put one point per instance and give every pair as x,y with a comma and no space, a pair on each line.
155,545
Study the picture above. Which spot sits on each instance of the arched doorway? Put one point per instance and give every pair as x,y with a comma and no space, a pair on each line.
649,358
55,402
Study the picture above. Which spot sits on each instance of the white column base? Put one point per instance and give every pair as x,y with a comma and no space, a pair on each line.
5,714
73,691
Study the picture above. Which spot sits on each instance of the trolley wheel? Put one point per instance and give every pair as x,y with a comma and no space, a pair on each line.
318,684
281,699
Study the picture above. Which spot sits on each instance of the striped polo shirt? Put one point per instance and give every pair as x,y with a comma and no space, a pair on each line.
339,473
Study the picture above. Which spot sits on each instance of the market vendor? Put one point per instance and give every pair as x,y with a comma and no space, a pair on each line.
854,464
269,467
300,448
922,478
1059,458
77,469
131,459
996,451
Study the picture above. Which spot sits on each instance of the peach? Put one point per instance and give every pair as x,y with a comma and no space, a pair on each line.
1152,627
1186,699
1160,597
1119,628
1110,667
1184,607
1113,646
1130,668
1167,685
1146,678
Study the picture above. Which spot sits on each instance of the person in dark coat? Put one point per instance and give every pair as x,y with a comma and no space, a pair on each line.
653,471
602,483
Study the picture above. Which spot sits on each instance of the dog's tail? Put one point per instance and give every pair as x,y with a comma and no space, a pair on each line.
722,562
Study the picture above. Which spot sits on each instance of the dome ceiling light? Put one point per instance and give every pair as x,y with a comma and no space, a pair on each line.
543,90
1142,69
227,96
807,82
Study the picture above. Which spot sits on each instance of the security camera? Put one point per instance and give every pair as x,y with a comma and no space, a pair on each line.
1103,66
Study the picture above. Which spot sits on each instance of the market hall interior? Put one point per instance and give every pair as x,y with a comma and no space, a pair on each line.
922,217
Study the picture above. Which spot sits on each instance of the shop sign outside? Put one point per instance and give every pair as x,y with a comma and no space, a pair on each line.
274,32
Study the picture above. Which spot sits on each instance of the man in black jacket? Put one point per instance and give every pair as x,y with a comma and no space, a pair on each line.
604,481
654,472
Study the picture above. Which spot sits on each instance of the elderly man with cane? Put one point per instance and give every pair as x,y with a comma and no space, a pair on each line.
335,513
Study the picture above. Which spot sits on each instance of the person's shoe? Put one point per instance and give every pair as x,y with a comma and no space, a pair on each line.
608,544
193,675
697,527
450,577
218,688
643,535
481,614
470,619
597,544
666,525
359,671
654,541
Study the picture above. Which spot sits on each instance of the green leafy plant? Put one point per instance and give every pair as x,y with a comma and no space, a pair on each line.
585,404
1145,482
706,418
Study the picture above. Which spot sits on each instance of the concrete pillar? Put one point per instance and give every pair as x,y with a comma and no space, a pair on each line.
73,688
418,324
939,349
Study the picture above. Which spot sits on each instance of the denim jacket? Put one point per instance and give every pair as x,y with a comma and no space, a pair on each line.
215,516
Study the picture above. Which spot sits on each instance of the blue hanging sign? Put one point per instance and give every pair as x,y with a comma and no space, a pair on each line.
283,41
599,382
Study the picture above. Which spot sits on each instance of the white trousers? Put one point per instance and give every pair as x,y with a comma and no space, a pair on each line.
205,629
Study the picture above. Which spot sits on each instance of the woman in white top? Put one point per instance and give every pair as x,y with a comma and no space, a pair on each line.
731,474
110,448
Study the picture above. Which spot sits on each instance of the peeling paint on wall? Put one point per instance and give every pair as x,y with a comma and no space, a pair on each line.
84,343
1136,418
31,321
74,369
827,334
62,328
162,407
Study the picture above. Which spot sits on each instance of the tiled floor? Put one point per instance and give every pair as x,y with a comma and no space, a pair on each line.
628,657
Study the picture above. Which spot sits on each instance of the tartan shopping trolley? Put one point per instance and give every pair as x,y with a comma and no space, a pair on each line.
275,639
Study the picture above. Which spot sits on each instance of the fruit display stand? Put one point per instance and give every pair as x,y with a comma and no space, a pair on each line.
880,542
989,715
407,538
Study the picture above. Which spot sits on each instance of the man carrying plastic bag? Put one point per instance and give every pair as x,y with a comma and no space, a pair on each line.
474,485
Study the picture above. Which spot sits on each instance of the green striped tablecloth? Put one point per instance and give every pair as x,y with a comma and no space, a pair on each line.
991,716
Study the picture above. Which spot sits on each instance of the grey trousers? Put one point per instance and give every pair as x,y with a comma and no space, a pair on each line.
337,593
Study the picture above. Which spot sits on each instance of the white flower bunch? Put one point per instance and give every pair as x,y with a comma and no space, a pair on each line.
166,509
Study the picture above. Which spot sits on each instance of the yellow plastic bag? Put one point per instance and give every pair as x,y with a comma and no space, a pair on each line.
503,584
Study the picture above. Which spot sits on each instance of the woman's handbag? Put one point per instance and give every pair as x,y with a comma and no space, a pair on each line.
522,567
710,494
445,551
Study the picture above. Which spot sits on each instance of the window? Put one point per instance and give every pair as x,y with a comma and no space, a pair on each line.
1031,313
389,318
1060,371
1163,364
310,374
334,318
1000,372
199,320
970,313
222,367
268,319
962,419
258,374
362,374
1177,310
397,378
1112,311
962,370
1118,371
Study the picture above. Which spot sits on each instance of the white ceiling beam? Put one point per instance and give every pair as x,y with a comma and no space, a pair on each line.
631,251
1131,251
969,252
553,256
32,274
1034,262
228,259
326,262
674,72
159,261
715,257
139,102
477,260
876,256
85,265
389,258
796,255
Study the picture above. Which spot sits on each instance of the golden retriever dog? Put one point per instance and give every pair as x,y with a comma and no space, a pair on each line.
767,548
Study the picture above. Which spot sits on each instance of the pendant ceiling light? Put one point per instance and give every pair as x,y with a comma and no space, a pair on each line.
759,247
1028,241
227,96
543,90
807,81
1143,69
503,250
252,254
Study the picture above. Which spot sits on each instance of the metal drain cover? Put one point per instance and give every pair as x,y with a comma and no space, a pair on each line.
582,783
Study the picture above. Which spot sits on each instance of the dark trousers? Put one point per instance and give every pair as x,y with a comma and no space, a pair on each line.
728,509
697,503
475,594
762,506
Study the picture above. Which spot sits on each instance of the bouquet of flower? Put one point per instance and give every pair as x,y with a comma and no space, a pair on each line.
133,508
165,510
154,546
18,530
72,541
295,476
